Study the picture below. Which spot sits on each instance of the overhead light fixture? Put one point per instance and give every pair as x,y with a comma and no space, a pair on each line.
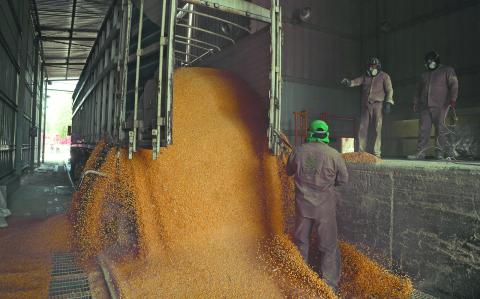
226,28
305,14
302,15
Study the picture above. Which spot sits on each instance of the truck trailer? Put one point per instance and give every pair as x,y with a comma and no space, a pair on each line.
124,94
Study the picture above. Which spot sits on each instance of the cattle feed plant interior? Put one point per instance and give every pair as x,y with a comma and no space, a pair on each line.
239,149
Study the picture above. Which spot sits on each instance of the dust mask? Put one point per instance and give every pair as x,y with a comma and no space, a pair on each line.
431,65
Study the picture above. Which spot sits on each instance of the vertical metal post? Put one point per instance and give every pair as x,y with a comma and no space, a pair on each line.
41,118
171,59
189,34
137,78
274,117
278,72
156,134
114,57
34,105
20,100
44,122
126,44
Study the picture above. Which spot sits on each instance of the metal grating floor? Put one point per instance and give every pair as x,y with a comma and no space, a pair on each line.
421,295
68,280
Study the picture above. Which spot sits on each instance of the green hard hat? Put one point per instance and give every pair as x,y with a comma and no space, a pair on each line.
318,132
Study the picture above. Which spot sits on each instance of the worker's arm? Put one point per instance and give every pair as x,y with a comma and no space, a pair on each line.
291,164
342,173
357,81
352,83
387,85
452,81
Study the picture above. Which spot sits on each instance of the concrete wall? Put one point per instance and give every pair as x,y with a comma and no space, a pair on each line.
425,217
316,55
413,28
317,99
342,35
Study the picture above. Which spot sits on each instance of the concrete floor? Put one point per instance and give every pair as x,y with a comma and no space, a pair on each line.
45,192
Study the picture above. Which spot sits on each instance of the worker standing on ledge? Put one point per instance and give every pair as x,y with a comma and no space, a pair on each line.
437,92
318,168
377,99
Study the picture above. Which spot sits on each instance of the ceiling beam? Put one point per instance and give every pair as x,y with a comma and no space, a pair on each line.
70,34
63,57
62,63
67,38
36,22
64,29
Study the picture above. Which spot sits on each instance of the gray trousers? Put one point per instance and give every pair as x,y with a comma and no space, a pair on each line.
432,116
371,114
326,225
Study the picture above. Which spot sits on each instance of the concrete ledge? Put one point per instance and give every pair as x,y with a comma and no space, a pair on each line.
422,218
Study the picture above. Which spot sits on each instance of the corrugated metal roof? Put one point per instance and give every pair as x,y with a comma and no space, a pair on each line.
68,29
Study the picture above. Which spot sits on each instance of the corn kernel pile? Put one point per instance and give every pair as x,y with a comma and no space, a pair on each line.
205,220
361,157
26,249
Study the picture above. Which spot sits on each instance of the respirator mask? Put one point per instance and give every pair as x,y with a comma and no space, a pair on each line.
372,71
432,60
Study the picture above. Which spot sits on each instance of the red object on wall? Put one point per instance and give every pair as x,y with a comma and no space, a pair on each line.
301,126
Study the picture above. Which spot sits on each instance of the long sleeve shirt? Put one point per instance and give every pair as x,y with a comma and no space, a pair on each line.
318,168
375,89
437,88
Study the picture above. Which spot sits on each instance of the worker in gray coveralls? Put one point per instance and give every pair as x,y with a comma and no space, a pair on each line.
437,92
318,168
377,99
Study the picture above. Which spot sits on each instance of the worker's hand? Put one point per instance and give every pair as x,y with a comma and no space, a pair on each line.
345,82
414,107
453,104
387,108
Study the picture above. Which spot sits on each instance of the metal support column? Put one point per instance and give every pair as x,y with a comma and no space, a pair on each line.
156,133
20,99
124,68
278,77
44,122
189,34
133,147
33,136
275,77
41,119
171,60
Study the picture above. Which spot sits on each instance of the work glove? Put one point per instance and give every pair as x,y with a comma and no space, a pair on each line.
387,108
345,82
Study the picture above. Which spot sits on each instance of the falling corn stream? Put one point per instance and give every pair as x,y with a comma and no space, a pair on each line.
210,217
